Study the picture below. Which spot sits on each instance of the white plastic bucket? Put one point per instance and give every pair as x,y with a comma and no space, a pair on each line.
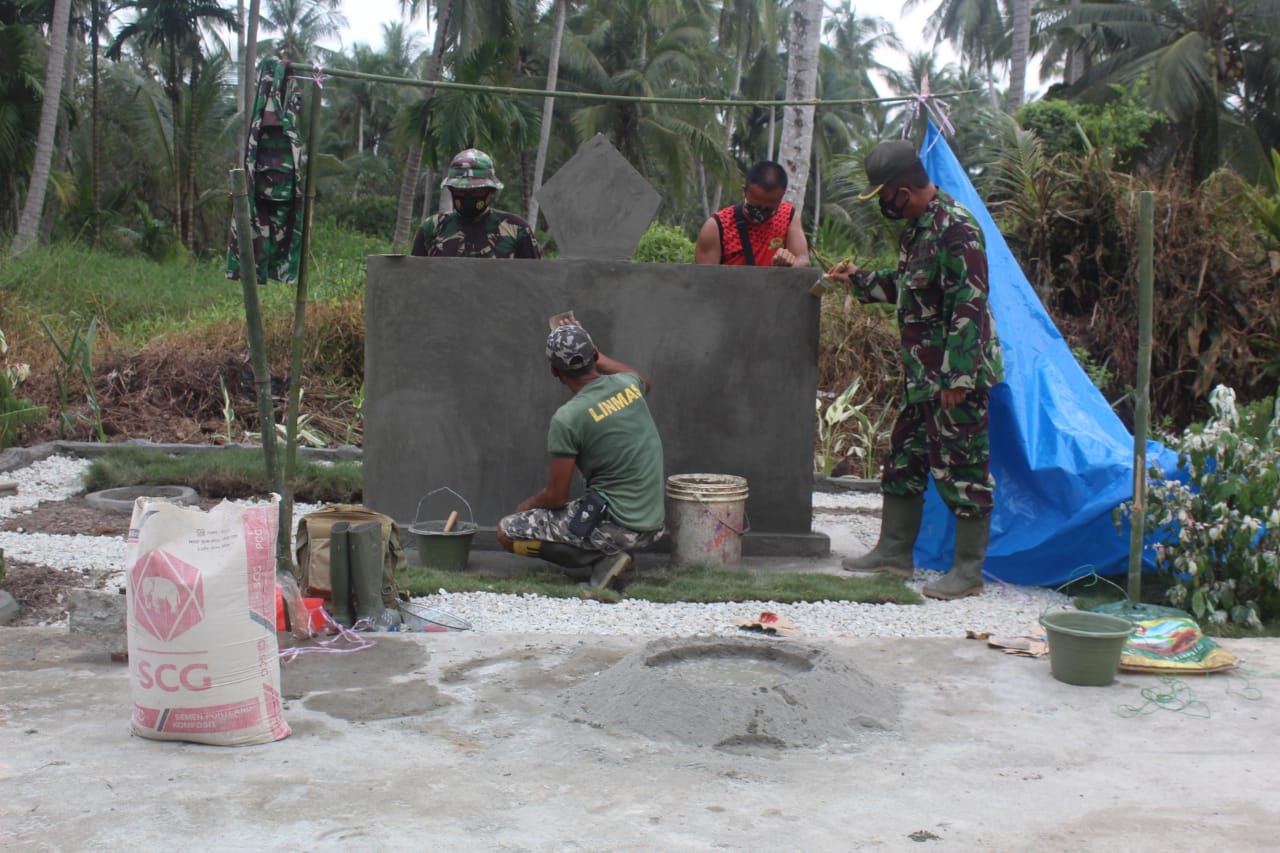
706,515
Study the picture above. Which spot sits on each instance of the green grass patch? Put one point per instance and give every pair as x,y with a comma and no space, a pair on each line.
138,299
696,584
231,473
66,284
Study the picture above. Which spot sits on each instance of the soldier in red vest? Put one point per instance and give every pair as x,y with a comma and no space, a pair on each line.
762,231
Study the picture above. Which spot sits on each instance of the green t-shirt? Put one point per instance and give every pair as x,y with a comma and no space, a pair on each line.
608,429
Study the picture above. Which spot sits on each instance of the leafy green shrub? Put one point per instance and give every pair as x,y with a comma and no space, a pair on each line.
836,440
374,215
664,244
1221,528
1119,128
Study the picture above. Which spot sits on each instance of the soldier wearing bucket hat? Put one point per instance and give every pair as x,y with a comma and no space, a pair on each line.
605,431
473,228
951,360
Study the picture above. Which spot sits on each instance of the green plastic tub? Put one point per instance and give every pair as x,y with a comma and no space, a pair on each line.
1084,648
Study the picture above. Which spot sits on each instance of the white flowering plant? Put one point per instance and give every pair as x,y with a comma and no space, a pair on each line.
14,411
1218,531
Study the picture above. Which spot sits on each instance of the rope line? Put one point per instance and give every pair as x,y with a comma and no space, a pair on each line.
317,74
1176,696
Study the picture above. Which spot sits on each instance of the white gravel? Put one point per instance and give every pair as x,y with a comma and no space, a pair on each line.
849,518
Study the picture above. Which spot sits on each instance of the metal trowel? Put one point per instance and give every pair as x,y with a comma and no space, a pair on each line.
560,319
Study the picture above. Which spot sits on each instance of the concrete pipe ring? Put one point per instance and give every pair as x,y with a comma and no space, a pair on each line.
121,499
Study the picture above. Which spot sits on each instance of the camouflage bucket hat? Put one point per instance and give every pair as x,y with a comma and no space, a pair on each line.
471,168
570,348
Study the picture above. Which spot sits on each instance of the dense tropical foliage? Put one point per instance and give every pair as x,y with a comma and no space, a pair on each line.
131,154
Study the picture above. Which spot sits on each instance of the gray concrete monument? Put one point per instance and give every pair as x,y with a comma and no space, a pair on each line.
458,392
597,205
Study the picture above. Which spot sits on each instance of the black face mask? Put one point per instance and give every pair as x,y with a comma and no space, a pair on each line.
758,215
890,208
471,206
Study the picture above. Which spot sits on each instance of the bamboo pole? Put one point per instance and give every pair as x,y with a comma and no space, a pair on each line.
1142,391
253,323
284,558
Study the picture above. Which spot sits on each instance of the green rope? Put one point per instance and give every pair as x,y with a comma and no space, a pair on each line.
320,73
1176,697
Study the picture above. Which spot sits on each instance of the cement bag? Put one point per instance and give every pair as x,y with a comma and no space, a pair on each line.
203,664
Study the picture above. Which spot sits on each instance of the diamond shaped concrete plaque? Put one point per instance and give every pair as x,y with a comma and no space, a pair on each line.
597,205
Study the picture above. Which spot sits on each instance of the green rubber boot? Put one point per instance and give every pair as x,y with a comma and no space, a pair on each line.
965,577
598,569
899,526
576,562
340,575
366,574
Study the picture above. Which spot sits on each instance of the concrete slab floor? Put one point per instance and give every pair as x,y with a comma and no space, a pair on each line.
463,741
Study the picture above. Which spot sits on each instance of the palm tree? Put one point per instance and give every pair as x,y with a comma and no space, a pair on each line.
1210,69
746,27
1020,12
20,106
802,83
976,28
172,29
413,153
647,48
845,66
301,24
560,12
36,187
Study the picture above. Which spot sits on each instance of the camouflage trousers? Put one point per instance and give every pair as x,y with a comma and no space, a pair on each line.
953,445
552,525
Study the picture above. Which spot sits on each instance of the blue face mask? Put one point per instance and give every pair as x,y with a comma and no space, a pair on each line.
891,209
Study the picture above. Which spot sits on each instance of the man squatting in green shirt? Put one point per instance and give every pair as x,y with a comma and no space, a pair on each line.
605,429
950,359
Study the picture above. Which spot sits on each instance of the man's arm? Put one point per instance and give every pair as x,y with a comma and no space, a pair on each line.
866,285
796,251
527,244
707,249
963,261
556,493
609,366
420,238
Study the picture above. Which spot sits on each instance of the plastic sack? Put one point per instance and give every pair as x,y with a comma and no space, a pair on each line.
203,661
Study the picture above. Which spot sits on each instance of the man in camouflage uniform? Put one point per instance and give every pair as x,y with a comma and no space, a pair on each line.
951,360
473,229
605,430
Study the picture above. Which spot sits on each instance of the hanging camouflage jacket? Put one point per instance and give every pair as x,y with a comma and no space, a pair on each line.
275,162
496,234
940,288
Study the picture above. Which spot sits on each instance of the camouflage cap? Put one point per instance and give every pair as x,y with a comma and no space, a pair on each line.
470,168
570,348
887,162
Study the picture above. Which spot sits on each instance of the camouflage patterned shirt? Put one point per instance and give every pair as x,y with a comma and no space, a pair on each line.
495,235
940,288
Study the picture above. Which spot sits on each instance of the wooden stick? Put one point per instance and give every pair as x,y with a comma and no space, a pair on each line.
453,519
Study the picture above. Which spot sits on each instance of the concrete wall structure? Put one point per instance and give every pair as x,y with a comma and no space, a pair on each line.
458,392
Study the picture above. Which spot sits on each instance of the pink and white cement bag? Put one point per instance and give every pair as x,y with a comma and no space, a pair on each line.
203,658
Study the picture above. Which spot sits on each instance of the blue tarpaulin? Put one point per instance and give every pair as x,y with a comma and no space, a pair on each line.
1061,457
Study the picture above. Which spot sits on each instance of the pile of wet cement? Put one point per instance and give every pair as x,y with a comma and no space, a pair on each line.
736,694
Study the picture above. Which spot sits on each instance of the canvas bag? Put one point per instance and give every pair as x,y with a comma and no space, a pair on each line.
311,550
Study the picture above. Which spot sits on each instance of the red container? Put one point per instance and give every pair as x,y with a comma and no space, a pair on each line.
314,607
